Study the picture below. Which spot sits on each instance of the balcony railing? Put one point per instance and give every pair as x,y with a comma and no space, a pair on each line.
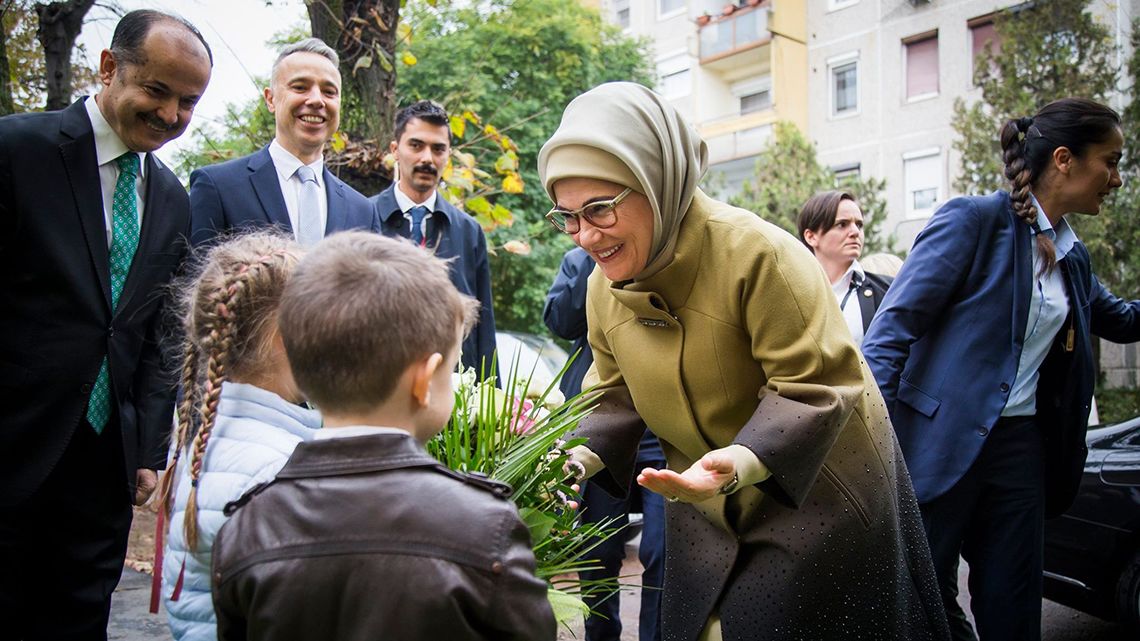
743,29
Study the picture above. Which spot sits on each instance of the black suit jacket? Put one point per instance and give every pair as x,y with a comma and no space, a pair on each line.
871,293
57,324
244,193
455,236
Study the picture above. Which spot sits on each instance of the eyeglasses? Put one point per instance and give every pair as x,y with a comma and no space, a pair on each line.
600,213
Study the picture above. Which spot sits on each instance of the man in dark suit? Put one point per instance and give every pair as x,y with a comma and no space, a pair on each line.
412,208
831,225
285,184
95,227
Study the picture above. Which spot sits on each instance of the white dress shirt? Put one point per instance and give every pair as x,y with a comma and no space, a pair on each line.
108,147
1048,308
286,165
848,299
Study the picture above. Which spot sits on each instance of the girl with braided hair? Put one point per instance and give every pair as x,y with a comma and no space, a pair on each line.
982,349
239,418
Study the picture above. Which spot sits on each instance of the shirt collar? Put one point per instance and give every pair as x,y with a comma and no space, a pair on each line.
1063,236
406,203
287,164
108,145
854,274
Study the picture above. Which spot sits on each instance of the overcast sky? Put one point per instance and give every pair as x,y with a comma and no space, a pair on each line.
237,31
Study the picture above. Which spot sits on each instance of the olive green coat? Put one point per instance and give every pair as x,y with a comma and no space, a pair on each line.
740,340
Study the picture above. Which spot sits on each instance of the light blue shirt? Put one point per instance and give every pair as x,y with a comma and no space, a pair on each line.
1048,308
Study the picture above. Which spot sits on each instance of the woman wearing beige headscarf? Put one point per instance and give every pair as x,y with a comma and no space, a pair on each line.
791,514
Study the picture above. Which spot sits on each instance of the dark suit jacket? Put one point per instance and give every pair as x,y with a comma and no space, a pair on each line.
455,236
244,193
946,343
871,293
58,324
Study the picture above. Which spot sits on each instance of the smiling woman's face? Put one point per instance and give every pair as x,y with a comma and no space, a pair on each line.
621,251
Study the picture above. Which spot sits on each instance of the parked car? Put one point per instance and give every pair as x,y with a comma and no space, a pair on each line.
527,353
1092,552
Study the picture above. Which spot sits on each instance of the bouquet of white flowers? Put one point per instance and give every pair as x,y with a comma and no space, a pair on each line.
516,435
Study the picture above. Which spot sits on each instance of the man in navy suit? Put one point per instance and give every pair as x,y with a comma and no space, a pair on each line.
94,230
412,208
286,184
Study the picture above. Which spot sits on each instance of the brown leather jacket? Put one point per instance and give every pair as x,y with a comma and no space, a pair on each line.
371,538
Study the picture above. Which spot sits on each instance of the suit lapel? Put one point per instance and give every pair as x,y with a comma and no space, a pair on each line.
268,189
1023,248
337,208
83,176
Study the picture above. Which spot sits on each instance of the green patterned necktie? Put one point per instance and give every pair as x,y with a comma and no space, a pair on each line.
124,242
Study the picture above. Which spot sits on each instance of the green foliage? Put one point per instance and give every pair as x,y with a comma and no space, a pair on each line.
1116,405
788,173
517,63
1052,46
26,67
245,128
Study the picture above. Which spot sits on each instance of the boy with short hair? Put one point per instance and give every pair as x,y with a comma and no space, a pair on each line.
363,535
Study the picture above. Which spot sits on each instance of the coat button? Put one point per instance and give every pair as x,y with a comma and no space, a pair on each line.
110,332
983,431
1004,388
497,567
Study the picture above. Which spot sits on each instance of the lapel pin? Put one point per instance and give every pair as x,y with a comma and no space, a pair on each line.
867,292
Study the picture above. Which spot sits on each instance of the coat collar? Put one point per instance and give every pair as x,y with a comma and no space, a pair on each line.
655,299
361,454
391,214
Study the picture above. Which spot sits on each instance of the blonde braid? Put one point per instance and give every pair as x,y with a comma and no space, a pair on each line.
231,317
189,384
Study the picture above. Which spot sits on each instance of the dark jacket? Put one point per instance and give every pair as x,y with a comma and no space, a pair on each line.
371,538
245,193
58,324
946,344
455,236
871,293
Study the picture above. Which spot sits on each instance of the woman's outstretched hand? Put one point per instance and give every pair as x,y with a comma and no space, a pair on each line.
702,481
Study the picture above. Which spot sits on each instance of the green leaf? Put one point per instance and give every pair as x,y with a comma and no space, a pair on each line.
539,523
505,164
566,606
501,215
478,206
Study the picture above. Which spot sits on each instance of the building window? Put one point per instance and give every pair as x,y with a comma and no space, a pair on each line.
847,173
669,8
921,66
675,76
836,5
754,102
621,13
982,33
922,173
844,86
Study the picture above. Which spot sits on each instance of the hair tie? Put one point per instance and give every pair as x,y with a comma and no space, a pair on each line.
1023,124
1035,228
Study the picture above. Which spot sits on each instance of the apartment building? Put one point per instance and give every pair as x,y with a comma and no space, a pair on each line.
732,67
883,77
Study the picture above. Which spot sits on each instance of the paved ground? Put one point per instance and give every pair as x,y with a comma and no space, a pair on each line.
130,620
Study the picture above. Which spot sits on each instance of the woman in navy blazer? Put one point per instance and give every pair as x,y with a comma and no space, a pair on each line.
982,350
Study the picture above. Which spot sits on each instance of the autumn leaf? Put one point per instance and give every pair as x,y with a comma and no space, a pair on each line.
518,247
505,164
465,159
363,62
513,184
478,206
503,216
339,142
404,32
409,59
491,131
458,126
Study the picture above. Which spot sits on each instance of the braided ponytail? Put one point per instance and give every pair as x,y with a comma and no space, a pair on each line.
230,308
1014,139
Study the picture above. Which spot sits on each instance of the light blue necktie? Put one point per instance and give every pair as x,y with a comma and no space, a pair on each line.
419,212
124,242
309,231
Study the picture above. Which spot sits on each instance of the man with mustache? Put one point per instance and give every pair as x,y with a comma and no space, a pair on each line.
285,184
94,231
412,208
